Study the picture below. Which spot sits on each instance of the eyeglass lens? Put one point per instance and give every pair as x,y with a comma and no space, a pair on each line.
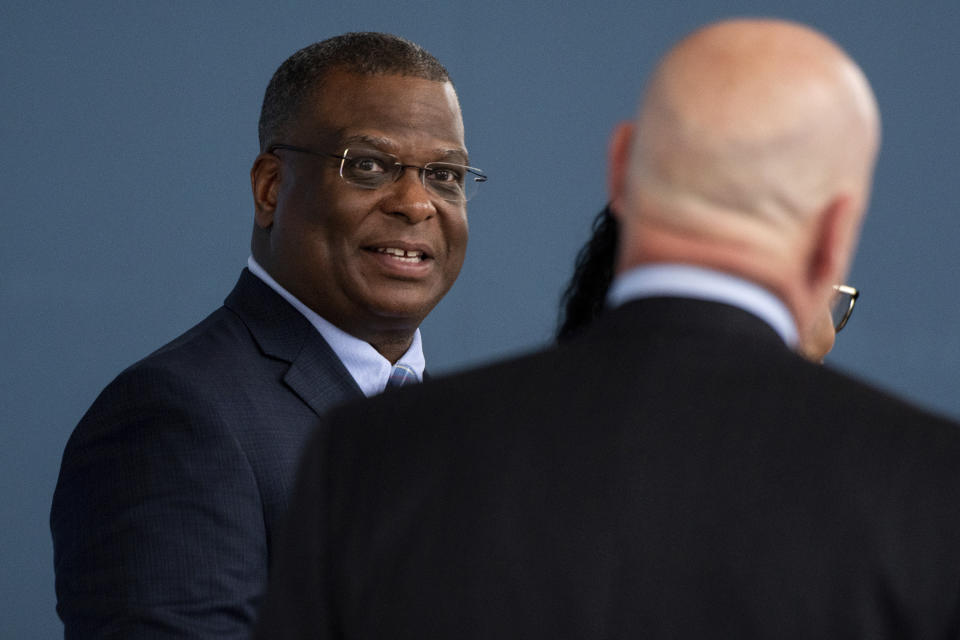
371,169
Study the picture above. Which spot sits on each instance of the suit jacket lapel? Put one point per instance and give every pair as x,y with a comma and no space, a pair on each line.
316,374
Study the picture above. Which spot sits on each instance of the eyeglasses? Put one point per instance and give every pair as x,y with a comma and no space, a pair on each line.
370,169
841,307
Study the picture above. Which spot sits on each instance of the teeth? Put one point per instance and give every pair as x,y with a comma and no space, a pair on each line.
411,256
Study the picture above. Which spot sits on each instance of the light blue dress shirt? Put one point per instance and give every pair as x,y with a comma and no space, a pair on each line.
686,281
370,369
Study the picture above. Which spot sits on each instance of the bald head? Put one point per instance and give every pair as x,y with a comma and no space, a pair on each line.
753,153
753,119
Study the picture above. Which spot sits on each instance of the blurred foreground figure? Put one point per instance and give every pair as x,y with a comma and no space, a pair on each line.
678,470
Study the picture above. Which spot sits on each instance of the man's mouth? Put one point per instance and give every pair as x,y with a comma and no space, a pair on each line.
403,255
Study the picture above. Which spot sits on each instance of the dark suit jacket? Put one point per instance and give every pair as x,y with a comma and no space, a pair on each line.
165,513
677,472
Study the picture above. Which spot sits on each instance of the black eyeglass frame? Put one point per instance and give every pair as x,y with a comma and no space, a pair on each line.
853,294
479,176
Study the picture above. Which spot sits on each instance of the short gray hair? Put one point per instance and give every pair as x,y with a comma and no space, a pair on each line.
366,53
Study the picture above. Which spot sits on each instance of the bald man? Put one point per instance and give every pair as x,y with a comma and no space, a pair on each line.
679,470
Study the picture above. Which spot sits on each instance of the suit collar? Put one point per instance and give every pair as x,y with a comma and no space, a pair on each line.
690,281
677,316
368,367
316,374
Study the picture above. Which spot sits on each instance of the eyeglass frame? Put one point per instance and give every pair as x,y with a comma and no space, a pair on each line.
854,293
480,176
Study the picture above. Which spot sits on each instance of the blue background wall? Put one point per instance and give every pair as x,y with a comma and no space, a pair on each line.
128,130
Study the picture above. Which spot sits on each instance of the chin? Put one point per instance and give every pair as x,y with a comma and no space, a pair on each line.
405,313
399,301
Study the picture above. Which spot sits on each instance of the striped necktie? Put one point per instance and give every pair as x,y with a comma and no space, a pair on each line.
401,375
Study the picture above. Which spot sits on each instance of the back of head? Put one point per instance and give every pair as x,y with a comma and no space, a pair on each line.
754,121
366,53
752,153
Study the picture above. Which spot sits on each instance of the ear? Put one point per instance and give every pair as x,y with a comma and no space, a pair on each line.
265,181
619,162
835,234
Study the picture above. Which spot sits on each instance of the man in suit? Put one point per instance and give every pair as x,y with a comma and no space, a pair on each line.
679,470
165,514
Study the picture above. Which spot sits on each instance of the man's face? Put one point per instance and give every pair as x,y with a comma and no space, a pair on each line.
330,241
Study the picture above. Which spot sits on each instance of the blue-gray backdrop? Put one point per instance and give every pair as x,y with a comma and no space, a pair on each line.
128,129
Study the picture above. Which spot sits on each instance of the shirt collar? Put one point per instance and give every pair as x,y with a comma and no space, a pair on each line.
370,369
679,280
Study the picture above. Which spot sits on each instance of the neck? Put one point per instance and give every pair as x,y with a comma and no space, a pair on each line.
391,345
390,337
768,267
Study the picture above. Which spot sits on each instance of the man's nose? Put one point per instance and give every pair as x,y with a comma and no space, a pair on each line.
408,197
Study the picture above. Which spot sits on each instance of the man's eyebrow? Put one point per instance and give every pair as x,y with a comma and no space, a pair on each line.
455,155
458,156
377,142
